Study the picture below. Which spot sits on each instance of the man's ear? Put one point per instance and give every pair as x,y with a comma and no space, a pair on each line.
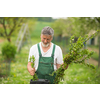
51,38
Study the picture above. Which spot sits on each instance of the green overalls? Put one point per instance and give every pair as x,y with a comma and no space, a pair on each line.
46,66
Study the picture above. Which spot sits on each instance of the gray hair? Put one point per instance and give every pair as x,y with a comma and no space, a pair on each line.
47,31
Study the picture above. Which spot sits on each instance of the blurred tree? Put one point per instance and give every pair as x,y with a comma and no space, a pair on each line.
59,27
66,26
11,25
45,19
78,26
70,26
82,26
96,21
92,23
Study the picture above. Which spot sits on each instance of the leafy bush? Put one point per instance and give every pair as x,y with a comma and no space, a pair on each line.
8,51
77,54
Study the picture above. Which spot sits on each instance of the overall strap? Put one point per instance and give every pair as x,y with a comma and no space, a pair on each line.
39,50
53,51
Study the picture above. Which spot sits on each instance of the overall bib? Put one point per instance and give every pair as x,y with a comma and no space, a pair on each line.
46,66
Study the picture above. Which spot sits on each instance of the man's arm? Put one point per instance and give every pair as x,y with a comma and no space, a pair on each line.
30,69
59,65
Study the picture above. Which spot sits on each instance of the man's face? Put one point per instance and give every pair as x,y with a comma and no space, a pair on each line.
46,39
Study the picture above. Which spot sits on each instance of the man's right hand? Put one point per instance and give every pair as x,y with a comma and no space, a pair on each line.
30,69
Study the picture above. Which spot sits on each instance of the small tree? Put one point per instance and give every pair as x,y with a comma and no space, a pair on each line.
8,53
59,27
11,25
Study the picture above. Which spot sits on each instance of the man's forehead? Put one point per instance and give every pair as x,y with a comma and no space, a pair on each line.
46,36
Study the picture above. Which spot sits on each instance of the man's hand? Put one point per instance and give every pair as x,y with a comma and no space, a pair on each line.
65,67
58,66
30,69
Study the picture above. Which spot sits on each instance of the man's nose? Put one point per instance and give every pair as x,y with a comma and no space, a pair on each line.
45,41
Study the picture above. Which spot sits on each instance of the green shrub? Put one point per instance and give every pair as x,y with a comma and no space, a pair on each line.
8,51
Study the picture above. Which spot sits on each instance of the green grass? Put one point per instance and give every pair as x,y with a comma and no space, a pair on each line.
93,46
95,56
75,74
80,74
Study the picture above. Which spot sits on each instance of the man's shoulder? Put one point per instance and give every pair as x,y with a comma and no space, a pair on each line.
57,46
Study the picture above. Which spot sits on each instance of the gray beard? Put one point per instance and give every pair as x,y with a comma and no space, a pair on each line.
44,44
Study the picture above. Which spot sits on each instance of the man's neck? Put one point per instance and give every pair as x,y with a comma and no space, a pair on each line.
45,49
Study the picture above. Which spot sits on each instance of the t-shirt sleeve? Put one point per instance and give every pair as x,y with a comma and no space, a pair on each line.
59,55
30,55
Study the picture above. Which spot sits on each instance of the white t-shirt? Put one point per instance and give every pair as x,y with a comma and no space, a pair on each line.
58,58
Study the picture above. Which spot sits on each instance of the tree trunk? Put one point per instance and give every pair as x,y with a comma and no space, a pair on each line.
99,53
9,40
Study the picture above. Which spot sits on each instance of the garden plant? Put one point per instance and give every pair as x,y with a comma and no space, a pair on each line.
8,53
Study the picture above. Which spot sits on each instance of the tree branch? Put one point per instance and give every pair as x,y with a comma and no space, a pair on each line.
4,26
12,28
15,25
1,35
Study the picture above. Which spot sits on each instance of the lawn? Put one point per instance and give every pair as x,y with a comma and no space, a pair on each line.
75,74
80,74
